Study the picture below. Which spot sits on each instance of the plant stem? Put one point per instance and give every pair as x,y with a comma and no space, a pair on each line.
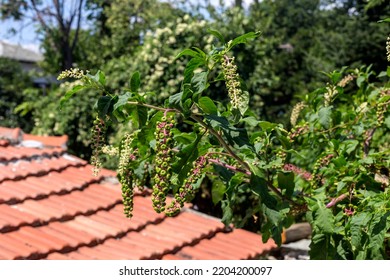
221,141
233,168
367,141
336,200
152,106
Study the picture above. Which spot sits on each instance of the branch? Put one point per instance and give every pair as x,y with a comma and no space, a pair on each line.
231,167
151,106
58,15
221,141
336,200
75,39
367,141
39,16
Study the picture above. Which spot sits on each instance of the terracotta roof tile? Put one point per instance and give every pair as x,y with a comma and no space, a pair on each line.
14,135
48,141
52,207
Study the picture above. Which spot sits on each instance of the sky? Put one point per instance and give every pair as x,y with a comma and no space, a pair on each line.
27,37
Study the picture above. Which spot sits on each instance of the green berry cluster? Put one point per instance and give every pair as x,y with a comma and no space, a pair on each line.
322,161
382,108
187,190
98,139
125,174
388,48
296,131
163,161
126,180
282,155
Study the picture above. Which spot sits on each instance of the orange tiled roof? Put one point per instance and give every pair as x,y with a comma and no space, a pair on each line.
52,207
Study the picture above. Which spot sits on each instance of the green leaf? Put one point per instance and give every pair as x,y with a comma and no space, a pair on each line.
187,155
251,121
259,187
324,115
244,102
102,78
243,39
360,80
105,105
335,77
384,20
324,219
380,227
135,82
341,186
217,191
199,81
342,251
235,136
286,182
175,99
216,34
191,52
384,99
358,222
122,101
185,138
339,162
193,64
319,247
202,53
274,223
267,126
207,105
70,93
140,116
227,213
349,146
224,174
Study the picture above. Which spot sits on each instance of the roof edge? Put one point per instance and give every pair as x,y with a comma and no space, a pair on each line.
16,136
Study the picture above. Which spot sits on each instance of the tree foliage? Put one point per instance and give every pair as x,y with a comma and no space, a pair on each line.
13,81
59,21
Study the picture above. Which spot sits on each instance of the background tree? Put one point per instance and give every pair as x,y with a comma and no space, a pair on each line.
13,81
59,23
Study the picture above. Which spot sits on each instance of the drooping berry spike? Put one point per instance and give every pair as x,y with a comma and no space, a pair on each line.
163,161
187,190
98,139
125,174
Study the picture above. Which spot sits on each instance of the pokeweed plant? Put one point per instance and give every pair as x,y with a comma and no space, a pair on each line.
330,167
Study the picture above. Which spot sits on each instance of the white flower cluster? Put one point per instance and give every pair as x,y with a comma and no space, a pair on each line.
232,80
388,48
331,91
295,112
160,49
346,80
71,73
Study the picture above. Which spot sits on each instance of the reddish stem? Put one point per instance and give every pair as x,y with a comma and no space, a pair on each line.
336,200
